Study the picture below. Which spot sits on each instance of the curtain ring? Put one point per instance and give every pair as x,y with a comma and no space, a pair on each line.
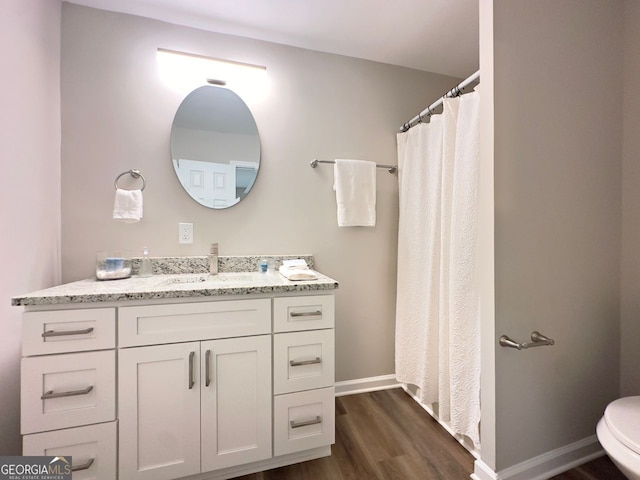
420,117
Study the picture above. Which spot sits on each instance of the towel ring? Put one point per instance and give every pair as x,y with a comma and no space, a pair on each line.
135,174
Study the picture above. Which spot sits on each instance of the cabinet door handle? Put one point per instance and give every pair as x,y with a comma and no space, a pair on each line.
297,363
207,368
306,423
84,466
62,333
72,393
305,314
191,380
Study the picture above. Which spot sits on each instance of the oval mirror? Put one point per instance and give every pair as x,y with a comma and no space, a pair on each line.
215,147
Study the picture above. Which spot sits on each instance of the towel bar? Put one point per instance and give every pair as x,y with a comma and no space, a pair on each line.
390,168
537,340
135,174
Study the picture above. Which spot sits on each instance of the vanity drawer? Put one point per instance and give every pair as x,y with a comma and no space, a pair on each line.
60,391
292,314
304,420
93,449
157,324
303,360
68,331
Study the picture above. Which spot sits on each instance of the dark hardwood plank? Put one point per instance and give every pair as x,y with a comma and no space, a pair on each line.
385,435
380,436
599,469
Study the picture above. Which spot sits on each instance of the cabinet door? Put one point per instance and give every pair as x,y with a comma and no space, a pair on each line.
159,406
236,401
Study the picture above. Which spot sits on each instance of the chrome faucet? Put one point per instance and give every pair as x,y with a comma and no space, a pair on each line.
213,259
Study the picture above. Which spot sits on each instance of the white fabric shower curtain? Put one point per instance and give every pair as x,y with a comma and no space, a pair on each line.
437,309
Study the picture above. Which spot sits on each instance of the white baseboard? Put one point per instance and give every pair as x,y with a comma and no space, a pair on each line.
364,385
482,471
546,465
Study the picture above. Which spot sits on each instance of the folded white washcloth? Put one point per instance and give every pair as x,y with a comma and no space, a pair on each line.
355,186
298,273
127,206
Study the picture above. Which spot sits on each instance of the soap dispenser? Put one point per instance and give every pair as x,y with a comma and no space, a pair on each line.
146,269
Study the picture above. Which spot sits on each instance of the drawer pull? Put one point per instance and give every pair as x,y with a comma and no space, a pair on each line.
84,466
296,363
306,423
191,380
207,368
305,314
72,393
62,333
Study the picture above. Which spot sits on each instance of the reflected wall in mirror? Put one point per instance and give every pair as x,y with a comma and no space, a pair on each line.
215,147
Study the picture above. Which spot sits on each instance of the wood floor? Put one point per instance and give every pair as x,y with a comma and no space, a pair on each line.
385,435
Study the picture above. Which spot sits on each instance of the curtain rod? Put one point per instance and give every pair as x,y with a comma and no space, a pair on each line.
454,92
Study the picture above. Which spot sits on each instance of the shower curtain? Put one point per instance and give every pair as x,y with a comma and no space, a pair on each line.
437,309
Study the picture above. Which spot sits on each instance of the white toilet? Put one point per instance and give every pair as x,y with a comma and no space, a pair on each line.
619,434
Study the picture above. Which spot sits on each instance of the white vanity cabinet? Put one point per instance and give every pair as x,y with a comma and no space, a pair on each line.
303,377
206,388
68,388
197,406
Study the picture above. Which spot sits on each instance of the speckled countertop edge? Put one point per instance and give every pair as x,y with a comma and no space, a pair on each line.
164,286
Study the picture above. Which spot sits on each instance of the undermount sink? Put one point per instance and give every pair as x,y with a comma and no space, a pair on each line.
201,278
188,278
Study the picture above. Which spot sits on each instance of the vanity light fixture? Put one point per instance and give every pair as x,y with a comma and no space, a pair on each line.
186,71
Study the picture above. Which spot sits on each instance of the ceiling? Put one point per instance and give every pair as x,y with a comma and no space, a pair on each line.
438,36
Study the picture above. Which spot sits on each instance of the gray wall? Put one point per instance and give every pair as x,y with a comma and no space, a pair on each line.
117,115
30,181
558,151
630,312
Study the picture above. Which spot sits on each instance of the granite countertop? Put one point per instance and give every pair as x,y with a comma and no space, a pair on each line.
181,285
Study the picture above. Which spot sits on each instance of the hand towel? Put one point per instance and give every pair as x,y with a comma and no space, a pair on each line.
128,205
296,273
298,263
355,186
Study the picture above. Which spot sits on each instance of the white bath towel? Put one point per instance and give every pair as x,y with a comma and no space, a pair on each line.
127,206
297,273
355,186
